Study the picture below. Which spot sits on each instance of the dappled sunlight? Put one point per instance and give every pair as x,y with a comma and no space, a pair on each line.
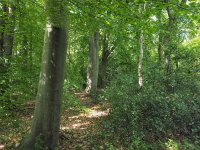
84,120
2,146
97,113
172,145
83,96
92,113
80,125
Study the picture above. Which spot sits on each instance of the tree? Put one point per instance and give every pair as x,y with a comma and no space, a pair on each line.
46,122
1,30
93,64
8,28
160,40
106,52
140,59
141,50
170,42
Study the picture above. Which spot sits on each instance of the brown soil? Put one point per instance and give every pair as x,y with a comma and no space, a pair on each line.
79,129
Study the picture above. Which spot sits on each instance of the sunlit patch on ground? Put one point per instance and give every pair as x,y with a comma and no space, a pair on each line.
98,113
81,125
78,130
82,120
2,146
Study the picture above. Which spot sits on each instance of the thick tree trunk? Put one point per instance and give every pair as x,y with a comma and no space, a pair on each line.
93,64
102,74
140,59
46,122
104,62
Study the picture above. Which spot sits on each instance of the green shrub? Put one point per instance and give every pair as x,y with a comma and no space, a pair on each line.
18,85
152,114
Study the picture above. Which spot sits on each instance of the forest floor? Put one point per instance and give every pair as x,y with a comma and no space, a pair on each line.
79,129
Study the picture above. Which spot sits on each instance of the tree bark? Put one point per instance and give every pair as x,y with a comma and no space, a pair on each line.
8,35
2,25
140,59
46,122
1,37
160,49
168,41
169,45
93,64
160,40
24,51
104,61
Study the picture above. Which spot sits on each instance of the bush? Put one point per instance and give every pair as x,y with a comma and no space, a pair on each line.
152,114
18,85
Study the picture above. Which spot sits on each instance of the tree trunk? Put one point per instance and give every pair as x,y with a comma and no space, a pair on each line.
1,45
8,35
168,41
31,50
104,62
2,25
24,51
93,64
160,49
169,45
46,122
160,40
1,37
140,59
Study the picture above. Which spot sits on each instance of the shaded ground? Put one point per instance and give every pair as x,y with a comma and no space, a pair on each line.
79,129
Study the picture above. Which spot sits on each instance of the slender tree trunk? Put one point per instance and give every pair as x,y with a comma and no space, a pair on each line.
160,40
93,64
169,45
140,59
168,41
8,36
160,49
1,45
31,49
46,122
24,51
2,25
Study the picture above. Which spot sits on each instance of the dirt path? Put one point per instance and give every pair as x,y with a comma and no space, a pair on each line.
79,130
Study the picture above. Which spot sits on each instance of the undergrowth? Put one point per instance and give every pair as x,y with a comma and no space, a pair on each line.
152,118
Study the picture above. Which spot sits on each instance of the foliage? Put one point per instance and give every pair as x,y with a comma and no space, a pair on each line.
152,114
18,85
153,117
